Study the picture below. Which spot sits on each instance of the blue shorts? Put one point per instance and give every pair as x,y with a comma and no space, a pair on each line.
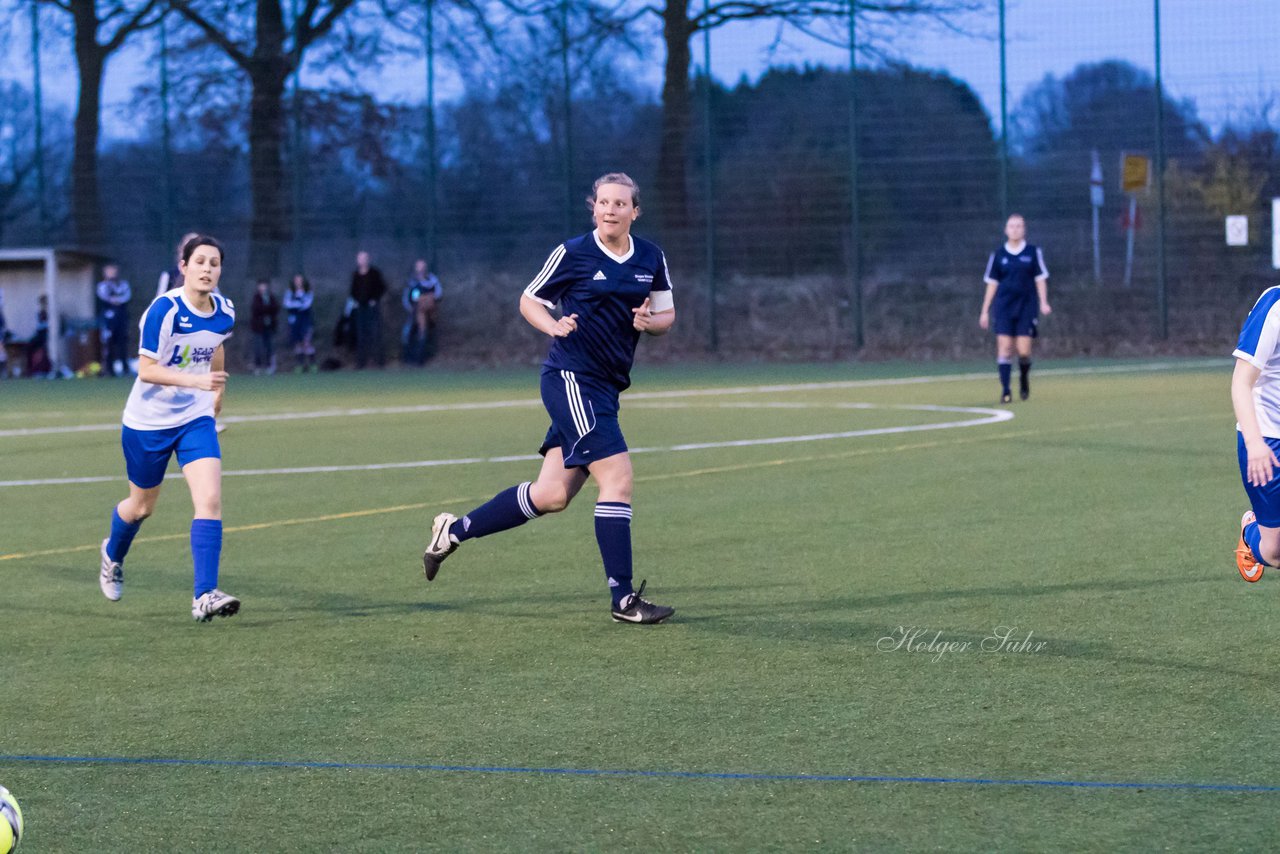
1265,500
1019,319
584,418
147,452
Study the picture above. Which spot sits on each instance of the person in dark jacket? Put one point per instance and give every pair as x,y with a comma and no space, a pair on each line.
262,322
368,287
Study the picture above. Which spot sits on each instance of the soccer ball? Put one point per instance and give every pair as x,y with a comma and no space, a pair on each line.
10,821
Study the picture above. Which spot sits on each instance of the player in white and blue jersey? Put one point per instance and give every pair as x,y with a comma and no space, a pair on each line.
1255,397
611,287
1017,294
171,410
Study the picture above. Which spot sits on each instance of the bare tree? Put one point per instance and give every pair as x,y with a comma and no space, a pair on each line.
683,19
100,28
272,50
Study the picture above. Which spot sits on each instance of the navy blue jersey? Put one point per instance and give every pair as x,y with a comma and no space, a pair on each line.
1016,273
602,289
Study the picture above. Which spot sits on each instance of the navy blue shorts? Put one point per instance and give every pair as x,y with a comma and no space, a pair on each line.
584,418
1019,319
147,452
1265,500
299,328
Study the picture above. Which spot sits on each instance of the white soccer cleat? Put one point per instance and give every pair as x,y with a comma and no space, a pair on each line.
441,545
215,603
111,576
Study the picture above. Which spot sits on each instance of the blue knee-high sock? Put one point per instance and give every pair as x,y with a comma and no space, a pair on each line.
1253,539
206,550
508,509
122,534
613,535
1005,366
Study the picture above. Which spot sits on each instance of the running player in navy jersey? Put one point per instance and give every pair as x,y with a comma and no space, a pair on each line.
1017,294
171,410
610,287
1255,397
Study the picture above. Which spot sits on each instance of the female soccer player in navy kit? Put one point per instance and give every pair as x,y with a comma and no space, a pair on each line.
1017,294
611,287
171,410
1255,397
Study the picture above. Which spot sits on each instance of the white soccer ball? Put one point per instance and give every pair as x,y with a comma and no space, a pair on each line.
10,821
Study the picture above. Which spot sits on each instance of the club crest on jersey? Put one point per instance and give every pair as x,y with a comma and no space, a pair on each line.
647,278
186,356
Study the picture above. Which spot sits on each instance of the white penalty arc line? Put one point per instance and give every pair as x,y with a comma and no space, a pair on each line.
985,416
634,396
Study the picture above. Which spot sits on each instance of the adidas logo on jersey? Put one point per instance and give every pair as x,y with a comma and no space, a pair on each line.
599,276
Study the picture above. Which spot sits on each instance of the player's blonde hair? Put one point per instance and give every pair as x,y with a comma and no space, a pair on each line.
621,178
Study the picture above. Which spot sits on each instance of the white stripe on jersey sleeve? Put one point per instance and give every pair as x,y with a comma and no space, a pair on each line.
553,261
660,301
1044,268
1267,340
986,277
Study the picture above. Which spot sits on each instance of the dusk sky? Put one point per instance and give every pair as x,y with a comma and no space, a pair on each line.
1221,54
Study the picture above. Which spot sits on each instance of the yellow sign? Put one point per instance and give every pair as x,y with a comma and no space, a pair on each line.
1135,172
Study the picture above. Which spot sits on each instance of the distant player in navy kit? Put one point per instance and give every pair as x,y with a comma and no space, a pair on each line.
611,287
1017,294
171,410
1255,397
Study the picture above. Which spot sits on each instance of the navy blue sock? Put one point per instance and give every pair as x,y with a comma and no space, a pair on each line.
1006,373
613,535
206,550
508,509
122,534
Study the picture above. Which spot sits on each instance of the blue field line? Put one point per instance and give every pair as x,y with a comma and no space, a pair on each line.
620,772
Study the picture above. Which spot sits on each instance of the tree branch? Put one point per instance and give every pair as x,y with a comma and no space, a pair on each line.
230,48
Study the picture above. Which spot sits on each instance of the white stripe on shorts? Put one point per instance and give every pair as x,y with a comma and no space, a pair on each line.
574,394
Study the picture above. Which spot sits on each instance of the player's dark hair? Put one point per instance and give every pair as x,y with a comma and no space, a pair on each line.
614,178
306,283
196,242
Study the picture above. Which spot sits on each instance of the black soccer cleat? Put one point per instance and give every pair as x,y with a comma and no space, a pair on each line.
1024,388
633,609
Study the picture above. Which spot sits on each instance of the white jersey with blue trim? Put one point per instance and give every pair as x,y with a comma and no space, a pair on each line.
181,339
1259,345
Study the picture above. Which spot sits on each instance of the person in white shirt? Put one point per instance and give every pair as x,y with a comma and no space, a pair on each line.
171,410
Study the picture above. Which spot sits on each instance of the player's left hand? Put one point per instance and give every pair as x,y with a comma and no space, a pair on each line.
643,316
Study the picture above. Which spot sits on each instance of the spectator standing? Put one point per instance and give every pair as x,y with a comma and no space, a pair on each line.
262,322
38,363
114,294
172,277
297,302
367,290
421,301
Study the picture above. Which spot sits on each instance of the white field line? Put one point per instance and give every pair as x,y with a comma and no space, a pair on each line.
985,416
633,396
